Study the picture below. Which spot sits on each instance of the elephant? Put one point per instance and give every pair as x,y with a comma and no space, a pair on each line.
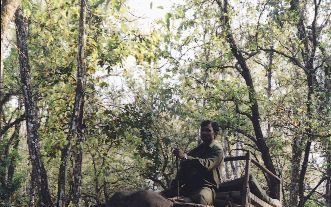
142,198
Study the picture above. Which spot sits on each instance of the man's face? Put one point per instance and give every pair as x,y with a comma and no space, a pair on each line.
207,134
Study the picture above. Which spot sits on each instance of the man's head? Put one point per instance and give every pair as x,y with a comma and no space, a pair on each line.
208,131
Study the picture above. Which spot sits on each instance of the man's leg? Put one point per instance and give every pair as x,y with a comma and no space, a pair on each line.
204,196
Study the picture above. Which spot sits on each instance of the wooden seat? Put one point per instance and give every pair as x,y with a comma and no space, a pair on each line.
246,191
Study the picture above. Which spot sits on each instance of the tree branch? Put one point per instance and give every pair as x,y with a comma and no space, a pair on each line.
8,126
313,190
291,58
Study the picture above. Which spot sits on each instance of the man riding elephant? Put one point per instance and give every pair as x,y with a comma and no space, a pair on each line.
200,170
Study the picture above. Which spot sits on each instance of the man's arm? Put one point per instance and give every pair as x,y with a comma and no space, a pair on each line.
208,163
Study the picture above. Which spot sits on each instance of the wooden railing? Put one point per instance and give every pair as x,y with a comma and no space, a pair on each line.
246,190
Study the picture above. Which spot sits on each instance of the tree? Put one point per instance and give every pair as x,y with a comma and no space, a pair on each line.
115,109
258,33
32,123
76,127
244,70
308,40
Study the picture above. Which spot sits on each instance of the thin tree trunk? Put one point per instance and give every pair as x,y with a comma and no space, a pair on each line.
8,163
328,175
16,141
32,122
295,166
310,86
76,124
226,151
234,168
8,8
12,163
105,189
305,161
77,171
269,75
70,183
328,141
328,145
62,177
236,164
32,189
81,73
96,180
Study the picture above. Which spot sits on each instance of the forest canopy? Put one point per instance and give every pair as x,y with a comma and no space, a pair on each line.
92,102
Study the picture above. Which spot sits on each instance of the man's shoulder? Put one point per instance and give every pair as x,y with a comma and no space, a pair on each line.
196,148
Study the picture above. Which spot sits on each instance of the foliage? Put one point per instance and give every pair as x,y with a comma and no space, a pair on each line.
147,93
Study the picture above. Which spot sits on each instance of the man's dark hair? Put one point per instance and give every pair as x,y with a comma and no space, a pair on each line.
213,124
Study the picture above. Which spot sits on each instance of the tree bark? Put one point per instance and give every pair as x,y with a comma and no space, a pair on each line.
309,137
96,180
80,89
32,189
8,8
296,160
269,75
76,127
32,122
327,71
226,151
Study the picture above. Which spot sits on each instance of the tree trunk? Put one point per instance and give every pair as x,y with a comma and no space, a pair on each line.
308,51
32,122
96,180
269,75
328,175
32,189
77,175
12,163
81,73
105,189
328,141
305,162
62,177
296,160
8,8
8,164
308,55
226,151
76,124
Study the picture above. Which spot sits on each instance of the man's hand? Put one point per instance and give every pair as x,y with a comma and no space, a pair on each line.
179,153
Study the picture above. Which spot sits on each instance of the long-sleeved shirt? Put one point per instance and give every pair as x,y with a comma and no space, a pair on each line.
202,168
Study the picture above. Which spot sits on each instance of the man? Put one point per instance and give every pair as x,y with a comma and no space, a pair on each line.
200,171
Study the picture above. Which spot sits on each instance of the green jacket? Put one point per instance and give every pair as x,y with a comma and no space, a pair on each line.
202,168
